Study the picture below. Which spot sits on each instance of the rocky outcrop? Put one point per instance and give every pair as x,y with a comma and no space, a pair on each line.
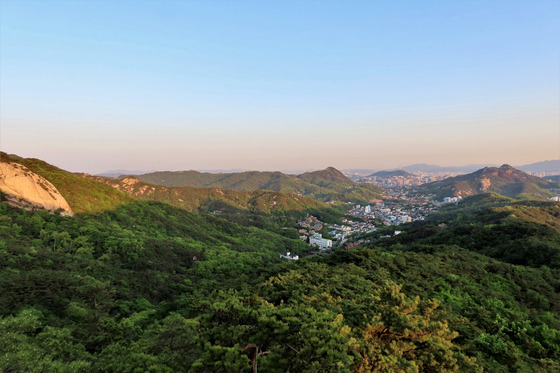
485,184
130,185
26,189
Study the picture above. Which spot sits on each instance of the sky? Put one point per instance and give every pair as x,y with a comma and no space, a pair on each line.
279,85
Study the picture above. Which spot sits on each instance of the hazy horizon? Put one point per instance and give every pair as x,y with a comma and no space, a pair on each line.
124,171
97,86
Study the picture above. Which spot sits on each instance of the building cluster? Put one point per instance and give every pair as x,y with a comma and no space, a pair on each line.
543,173
402,181
381,212
366,218
309,227
451,199
395,212
348,227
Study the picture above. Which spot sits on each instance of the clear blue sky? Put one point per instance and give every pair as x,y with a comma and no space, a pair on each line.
98,85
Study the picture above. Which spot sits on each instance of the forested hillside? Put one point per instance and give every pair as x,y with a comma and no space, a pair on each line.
211,199
518,232
86,193
324,185
149,287
504,180
377,269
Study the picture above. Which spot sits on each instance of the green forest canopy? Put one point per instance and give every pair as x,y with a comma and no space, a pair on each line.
149,287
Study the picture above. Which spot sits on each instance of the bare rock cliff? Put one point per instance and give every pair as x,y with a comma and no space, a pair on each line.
28,190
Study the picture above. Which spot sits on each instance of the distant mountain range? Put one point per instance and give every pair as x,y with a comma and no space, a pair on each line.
123,172
95,194
210,199
545,166
429,168
324,185
117,173
253,191
504,180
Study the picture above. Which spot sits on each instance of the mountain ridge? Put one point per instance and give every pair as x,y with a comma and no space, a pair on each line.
429,168
210,199
504,180
325,185
94,194
543,166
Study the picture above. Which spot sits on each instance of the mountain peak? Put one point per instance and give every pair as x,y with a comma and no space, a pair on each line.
503,170
328,176
505,180
329,173
333,171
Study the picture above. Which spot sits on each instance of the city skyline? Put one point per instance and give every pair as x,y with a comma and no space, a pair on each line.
97,86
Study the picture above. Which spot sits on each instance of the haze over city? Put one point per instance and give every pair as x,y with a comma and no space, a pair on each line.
98,85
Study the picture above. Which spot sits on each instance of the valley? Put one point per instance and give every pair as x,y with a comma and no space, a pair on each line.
179,278
279,186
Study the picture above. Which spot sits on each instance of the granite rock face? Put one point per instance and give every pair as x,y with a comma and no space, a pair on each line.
26,189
